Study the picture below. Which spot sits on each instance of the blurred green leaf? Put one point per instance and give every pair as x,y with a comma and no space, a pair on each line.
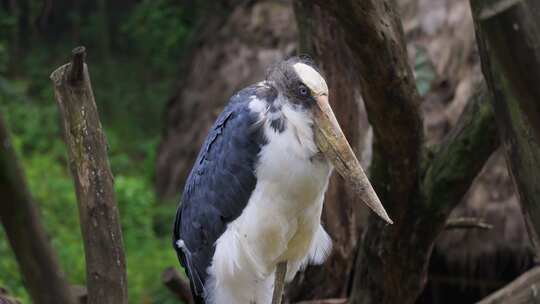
424,71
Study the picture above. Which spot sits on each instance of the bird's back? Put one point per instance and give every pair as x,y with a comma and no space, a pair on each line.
218,187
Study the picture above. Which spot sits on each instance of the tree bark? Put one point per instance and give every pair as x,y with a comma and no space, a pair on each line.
87,151
37,261
341,216
418,187
508,35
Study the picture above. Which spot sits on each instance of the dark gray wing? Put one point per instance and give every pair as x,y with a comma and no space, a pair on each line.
219,186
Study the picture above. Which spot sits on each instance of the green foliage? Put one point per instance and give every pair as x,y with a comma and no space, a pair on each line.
7,24
160,29
37,138
131,87
424,71
3,56
146,254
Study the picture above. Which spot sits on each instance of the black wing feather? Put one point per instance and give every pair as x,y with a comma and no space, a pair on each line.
218,187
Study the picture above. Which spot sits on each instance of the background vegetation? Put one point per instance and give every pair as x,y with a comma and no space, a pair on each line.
162,70
133,49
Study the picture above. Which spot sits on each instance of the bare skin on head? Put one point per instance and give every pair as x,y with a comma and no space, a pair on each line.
332,142
311,78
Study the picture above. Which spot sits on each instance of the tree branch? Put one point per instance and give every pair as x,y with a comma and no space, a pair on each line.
523,290
461,156
87,150
467,223
179,287
19,215
418,194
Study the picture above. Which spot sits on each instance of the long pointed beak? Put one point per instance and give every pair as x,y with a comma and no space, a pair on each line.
332,142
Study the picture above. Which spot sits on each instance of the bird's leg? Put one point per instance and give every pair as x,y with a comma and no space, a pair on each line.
279,283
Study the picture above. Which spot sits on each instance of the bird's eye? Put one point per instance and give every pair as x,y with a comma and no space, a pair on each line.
303,90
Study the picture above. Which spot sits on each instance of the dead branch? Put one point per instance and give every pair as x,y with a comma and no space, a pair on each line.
467,223
19,215
87,150
179,287
523,290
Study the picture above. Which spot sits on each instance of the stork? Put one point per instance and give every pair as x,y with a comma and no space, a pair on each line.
250,214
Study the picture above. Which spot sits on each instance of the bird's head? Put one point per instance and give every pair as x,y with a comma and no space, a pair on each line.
303,86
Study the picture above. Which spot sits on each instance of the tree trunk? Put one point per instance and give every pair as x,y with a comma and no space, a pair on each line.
342,216
87,151
419,189
39,266
508,35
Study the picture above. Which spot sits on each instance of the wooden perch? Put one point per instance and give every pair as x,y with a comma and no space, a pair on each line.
19,215
523,290
89,164
179,287
467,223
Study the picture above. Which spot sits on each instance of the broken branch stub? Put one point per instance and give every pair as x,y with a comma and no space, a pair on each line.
89,164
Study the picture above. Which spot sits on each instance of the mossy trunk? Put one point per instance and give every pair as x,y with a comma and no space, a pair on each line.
392,260
508,35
